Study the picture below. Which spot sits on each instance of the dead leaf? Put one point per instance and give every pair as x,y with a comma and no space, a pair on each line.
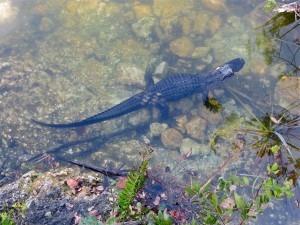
121,182
189,153
175,213
72,183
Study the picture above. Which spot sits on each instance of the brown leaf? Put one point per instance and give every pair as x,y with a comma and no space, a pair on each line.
121,182
189,153
72,183
175,213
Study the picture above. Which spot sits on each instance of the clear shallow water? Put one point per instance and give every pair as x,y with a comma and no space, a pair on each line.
67,60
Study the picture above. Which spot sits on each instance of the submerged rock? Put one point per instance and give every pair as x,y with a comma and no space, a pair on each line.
196,148
129,74
215,5
46,24
196,128
171,138
143,28
140,117
157,128
182,47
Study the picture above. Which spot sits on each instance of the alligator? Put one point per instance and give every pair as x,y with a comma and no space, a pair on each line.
171,88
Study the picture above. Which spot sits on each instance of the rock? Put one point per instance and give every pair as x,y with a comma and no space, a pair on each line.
182,47
141,11
46,24
287,93
186,25
129,74
212,118
139,117
197,149
169,8
181,123
184,105
196,128
200,52
157,128
201,21
144,27
257,64
214,5
171,138
215,24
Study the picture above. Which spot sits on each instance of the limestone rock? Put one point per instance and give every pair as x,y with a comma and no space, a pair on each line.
168,8
140,117
143,28
196,128
215,5
141,11
182,47
46,24
212,118
129,74
181,123
197,149
171,138
200,52
157,128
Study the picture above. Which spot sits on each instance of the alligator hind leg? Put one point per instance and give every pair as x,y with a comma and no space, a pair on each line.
164,111
148,76
154,68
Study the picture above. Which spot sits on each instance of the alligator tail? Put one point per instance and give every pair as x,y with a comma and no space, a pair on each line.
129,105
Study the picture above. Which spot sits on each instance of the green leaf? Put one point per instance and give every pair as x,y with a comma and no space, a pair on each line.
214,199
238,201
206,188
275,149
274,167
196,186
190,191
246,181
